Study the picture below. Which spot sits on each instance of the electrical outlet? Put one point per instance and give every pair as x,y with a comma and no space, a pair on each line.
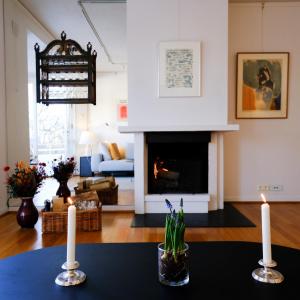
263,187
276,187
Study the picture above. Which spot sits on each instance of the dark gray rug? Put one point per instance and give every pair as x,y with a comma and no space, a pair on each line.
227,217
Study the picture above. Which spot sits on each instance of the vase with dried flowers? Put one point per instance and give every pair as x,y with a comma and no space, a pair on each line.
24,183
62,172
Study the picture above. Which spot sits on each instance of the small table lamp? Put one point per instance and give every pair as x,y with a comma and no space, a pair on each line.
87,138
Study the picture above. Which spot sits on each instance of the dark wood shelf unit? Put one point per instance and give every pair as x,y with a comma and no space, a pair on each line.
62,68
65,56
65,82
66,101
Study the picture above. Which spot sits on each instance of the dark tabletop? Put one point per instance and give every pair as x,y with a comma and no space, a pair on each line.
221,270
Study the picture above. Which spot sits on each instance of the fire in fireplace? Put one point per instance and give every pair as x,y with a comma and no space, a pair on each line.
178,162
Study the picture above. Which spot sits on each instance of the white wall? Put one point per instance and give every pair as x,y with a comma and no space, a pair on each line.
148,23
17,23
102,118
3,141
264,151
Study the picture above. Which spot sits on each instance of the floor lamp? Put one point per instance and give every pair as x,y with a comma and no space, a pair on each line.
87,139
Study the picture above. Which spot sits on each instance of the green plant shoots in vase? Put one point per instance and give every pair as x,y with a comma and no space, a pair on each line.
174,231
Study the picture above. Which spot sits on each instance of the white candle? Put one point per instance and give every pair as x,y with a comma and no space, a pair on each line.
71,235
266,231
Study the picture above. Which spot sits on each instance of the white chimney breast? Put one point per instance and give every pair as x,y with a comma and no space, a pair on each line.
148,24
151,22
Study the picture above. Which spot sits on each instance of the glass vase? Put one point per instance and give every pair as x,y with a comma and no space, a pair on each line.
173,270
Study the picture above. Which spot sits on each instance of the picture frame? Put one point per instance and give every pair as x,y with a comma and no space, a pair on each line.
180,69
122,111
262,85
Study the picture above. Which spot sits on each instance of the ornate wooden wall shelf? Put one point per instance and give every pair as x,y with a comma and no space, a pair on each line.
65,73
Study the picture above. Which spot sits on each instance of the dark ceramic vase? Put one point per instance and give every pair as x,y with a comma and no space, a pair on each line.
27,214
63,190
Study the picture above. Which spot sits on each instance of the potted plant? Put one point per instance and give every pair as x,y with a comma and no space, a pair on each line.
24,183
62,171
173,253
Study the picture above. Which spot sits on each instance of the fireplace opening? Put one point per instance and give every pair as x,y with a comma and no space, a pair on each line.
178,162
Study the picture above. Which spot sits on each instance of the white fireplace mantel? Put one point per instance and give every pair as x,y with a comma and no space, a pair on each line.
142,128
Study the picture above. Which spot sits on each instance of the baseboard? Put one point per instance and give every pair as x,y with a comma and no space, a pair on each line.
13,208
270,198
113,208
3,211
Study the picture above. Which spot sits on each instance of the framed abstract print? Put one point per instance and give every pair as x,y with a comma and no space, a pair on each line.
262,85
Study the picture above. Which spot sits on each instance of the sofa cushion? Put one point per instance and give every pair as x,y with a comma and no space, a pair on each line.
103,149
130,151
122,152
95,161
116,165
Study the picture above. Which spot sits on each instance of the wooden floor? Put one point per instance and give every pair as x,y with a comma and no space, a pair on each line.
285,220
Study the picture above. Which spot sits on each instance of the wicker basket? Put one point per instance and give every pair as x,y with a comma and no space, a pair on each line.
86,220
106,197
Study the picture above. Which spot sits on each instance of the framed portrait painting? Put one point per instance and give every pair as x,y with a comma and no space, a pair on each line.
262,85
179,69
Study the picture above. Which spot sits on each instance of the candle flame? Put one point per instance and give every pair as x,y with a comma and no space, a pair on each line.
263,198
70,201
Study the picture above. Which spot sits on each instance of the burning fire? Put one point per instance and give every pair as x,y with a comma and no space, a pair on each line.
263,198
156,169
70,201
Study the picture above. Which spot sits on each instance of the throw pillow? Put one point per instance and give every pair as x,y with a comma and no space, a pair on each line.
122,151
114,151
103,149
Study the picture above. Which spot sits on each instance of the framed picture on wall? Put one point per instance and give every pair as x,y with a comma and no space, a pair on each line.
122,111
179,69
262,85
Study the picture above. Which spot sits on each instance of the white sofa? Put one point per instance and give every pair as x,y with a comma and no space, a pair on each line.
103,163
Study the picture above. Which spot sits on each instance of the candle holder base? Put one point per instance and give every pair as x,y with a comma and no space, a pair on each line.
71,276
267,274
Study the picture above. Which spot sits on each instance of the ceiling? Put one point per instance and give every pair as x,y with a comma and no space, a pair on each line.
107,16
109,20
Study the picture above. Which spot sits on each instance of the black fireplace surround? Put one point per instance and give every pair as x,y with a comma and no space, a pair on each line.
178,162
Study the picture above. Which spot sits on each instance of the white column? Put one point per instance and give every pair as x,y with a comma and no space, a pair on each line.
220,170
140,172
212,172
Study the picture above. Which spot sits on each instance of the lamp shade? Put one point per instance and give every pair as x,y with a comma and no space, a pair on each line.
86,138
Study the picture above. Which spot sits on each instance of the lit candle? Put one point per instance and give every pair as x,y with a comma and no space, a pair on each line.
266,231
71,234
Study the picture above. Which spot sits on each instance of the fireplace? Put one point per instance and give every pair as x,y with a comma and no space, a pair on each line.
188,160
178,162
